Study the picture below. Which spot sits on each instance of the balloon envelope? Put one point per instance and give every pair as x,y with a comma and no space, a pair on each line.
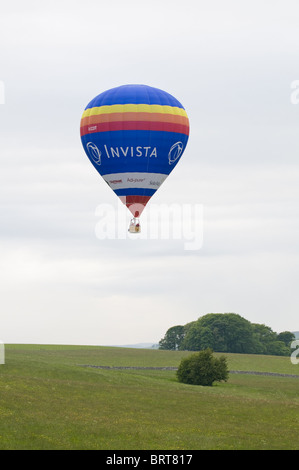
134,135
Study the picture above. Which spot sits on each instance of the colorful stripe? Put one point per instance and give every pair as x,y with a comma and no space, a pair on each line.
135,126
134,191
134,108
134,117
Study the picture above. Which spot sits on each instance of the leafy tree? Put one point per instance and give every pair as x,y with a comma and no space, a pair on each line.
173,338
202,368
269,342
278,348
227,332
286,337
223,332
191,341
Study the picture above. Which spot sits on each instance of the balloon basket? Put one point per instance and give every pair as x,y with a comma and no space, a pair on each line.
134,226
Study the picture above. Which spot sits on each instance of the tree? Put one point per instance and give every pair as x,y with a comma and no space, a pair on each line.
227,332
286,337
191,340
202,368
271,343
173,338
223,332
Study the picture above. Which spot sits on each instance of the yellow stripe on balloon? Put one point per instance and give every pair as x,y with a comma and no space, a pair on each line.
130,108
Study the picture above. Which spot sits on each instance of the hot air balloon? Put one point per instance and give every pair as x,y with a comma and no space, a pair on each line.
134,135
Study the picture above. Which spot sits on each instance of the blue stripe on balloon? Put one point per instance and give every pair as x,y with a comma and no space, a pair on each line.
134,192
134,94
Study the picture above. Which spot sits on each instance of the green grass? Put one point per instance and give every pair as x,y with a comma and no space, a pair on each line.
49,401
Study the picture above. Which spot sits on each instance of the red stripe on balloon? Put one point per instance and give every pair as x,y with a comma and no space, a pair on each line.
135,126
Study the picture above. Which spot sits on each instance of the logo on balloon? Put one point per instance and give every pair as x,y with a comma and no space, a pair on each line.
94,152
175,152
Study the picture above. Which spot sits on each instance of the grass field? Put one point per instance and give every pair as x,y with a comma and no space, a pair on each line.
49,401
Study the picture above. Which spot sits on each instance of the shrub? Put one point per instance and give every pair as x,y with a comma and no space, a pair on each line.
202,368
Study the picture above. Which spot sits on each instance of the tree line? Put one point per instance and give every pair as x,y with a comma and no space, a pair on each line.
227,332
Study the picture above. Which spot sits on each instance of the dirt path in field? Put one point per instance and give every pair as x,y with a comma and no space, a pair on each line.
250,372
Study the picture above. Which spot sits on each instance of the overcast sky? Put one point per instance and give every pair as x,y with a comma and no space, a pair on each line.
232,65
